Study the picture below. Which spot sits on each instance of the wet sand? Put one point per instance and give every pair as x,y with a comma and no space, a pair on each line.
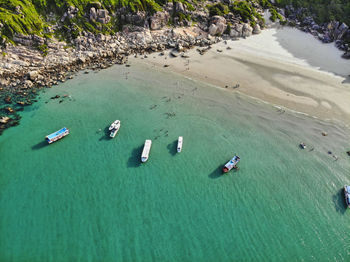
285,67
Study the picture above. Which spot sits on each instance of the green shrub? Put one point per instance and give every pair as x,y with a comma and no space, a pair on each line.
218,9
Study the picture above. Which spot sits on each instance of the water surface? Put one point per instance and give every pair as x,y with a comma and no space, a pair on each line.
88,198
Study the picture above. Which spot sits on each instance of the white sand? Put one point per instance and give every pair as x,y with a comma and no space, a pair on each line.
281,66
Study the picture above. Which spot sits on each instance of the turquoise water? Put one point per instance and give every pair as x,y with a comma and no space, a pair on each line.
88,198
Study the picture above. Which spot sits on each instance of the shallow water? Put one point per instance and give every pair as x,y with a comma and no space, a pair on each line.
88,198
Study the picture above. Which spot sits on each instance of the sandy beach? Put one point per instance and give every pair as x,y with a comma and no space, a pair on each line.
284,67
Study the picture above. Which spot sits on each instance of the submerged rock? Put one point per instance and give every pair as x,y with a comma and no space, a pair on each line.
4,120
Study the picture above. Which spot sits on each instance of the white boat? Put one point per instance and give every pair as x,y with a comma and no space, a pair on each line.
146,150
114,128
231,164
179,144
347,195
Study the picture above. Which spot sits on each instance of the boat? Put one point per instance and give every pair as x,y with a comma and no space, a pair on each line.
302,145
347,195
179,144
114,128
231,164
146,150
57,135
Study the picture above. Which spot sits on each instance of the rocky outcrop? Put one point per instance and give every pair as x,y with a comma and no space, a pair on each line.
28,40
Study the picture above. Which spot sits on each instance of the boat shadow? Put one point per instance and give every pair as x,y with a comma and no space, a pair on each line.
39,145
339,201
134,159
106,134
216,173
172,147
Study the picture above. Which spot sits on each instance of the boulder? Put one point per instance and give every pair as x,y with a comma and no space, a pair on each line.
256,29
33,75
18,10
179,7
346,55
9,110
4,119
218,25
247,30
340,31
236,30
28,84
212,29
159,20
8,99
93,14
102,16
138,18
221,27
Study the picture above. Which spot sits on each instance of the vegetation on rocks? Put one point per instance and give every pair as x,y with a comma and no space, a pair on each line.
68,18
323,10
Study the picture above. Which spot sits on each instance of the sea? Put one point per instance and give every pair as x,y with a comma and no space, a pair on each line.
87,197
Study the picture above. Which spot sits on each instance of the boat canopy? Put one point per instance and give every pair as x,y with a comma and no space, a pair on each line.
230,164
57,133
146,150
347,189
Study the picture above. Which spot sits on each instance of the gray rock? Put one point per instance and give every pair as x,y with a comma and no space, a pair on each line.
33,75
247,30
102,16
340,31
179,7
236,30
18,10
221,27
28,84
218,25
213,29
138,18
159,20
93,14
256,29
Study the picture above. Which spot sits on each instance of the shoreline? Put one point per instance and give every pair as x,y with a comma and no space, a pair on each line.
277,77
22,80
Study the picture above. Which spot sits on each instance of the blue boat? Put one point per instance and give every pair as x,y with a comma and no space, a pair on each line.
57,135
